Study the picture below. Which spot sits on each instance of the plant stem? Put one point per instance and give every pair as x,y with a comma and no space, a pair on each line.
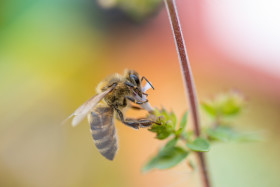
188,80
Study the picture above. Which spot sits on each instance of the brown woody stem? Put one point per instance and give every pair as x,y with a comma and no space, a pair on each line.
188,80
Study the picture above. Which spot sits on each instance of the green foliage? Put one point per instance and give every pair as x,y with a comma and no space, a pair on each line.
170,155
182,142
183,122
224,105
136,9
199,145
168,122
162,131
182,125
166,159
171,143
222,134
227,133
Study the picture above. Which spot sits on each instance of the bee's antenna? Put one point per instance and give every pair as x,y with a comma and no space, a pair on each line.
147,82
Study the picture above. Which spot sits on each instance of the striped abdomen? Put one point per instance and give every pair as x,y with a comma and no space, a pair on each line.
103,130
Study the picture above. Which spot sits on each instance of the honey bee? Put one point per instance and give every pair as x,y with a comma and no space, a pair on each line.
114,95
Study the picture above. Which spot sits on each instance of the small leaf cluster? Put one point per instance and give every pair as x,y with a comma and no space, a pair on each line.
182,143
221,108
224,105
168,123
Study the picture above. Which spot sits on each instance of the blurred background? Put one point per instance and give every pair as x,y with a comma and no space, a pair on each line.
53,53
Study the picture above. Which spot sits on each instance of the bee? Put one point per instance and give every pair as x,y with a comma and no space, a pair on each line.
114,95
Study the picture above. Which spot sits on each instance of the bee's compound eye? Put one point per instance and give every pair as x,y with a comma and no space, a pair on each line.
135,78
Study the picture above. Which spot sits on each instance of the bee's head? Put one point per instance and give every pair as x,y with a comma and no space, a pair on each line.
133,81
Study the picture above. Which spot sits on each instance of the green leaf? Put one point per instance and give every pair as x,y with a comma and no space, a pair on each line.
248,137
221,133
166,159
225,104
225,134
232,105
157,112
165,114
209,108
169,145
199,145
173,118
167,121
182,125
168,117
183,122
178,132
163,131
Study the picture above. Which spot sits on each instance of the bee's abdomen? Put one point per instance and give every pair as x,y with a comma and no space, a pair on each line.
103,131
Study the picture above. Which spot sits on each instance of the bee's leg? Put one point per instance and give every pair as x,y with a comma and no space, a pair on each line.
136,101
142,122
133,86
129,84
134,123
136,107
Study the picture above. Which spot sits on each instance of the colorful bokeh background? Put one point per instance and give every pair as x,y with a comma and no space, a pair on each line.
54,52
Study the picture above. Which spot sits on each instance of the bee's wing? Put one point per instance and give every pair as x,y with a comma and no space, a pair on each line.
103,130
82,111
